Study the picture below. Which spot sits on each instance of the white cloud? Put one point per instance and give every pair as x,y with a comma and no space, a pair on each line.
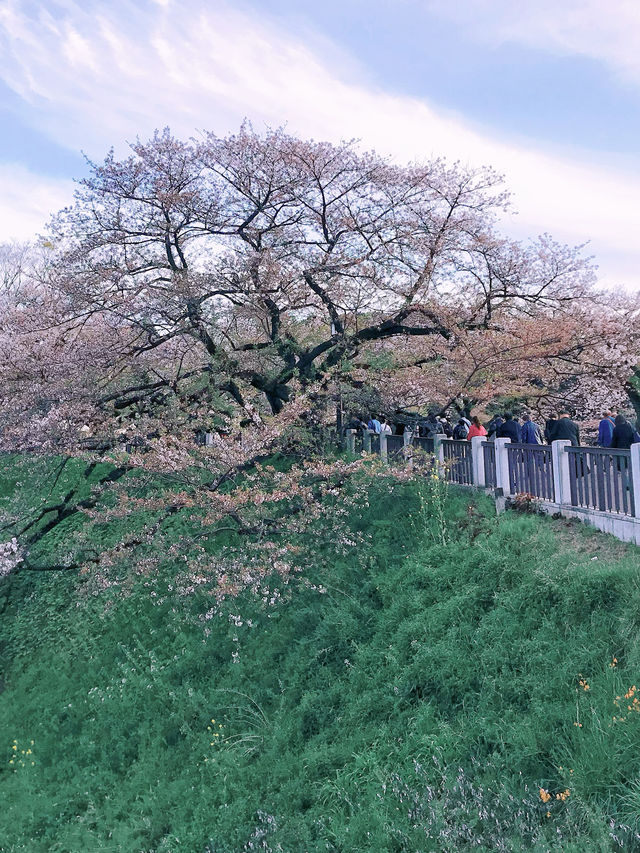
604,30
28,200
198,65
77,51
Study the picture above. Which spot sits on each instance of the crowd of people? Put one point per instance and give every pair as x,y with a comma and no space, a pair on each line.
614,430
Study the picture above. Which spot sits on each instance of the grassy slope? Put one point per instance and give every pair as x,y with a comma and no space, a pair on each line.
418,704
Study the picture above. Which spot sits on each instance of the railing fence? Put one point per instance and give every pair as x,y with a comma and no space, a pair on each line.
423,443
601,479
395,447
489,454
458,461
599,485
530,470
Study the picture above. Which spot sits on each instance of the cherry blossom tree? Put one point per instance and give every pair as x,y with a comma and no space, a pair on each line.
233,285
246,265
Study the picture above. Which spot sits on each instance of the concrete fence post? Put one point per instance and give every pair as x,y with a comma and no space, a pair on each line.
438,452
477,461
351,441
407,447
502,465
561,478
366,440
635,478
383,447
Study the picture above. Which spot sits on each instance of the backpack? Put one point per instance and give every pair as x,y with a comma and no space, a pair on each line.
460,432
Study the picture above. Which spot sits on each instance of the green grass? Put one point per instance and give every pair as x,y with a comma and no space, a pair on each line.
414,696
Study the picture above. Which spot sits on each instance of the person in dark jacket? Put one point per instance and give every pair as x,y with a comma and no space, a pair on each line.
567,430
550,428
433,426
446,427
460,430
622,434
494,425
356,423
509,429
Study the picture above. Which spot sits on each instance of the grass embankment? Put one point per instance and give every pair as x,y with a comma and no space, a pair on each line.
453,687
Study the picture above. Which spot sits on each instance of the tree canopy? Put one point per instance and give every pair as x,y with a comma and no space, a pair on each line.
226,275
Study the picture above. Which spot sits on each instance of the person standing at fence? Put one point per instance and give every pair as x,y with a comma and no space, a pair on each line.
446,427
433,426
385,428
550,428
567,430
460,430
374,424
605,429
494,425
530,432
476,428
509,429
356,423
622,437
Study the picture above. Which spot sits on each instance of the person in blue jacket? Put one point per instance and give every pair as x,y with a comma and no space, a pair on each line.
605,429
509,429
530,432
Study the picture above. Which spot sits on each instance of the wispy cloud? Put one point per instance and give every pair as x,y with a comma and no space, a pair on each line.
27,201
607,31
101,74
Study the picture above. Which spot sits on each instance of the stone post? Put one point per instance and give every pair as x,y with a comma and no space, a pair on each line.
561,478
438,452
477,461
635,478
502,465
407,449
351,441
383,447
366,440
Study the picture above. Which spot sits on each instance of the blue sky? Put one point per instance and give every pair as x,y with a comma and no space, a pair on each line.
546,92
